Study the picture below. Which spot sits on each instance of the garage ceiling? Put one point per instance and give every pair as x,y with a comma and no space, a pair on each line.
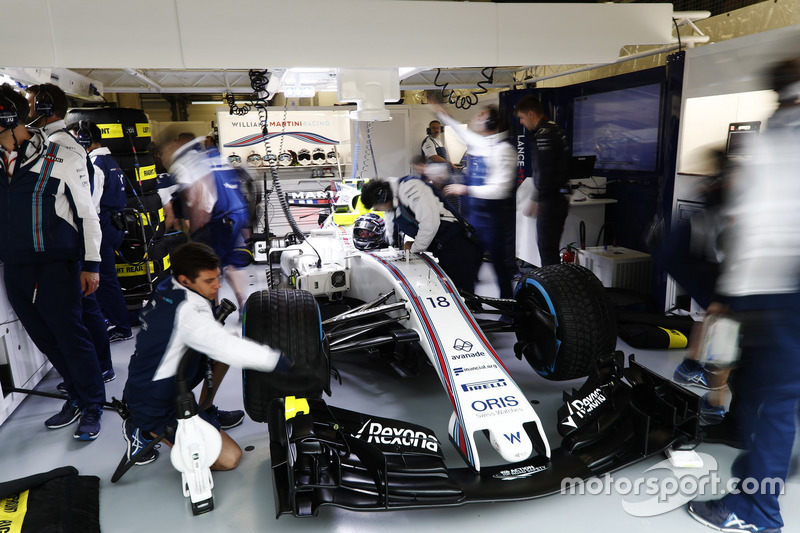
197,47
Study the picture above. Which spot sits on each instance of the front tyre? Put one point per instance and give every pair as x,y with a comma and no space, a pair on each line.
287,320
572,321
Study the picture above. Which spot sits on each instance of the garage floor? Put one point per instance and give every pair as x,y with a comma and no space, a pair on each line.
149,497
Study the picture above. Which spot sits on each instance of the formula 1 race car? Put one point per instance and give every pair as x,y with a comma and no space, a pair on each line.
333,298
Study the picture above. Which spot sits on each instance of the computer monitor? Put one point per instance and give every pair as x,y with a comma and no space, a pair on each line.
741,136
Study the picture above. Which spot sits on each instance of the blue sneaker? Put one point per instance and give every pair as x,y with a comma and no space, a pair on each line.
116,334
68,414
89,426
690,372
714,514
225,419
710,414
109,375
136,440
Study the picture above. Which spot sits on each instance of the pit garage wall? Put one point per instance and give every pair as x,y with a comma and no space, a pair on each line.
723,83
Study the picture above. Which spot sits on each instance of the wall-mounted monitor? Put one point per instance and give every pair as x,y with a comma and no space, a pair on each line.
741,136
620,127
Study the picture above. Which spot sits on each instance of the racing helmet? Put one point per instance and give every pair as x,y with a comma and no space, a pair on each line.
369,232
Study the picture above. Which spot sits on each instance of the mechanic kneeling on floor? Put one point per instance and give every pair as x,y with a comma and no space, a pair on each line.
179,316
412,206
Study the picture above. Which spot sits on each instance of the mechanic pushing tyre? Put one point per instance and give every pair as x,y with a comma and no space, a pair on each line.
287,320
572,321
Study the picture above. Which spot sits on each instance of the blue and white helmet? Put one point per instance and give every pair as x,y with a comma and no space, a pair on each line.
369,232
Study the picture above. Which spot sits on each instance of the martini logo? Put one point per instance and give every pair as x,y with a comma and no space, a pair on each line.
462,345
394,436
312,195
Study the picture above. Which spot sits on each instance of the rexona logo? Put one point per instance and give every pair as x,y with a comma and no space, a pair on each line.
482,385
395,436
583,406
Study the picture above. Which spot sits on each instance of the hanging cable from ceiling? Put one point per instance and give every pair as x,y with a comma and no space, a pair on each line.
469,100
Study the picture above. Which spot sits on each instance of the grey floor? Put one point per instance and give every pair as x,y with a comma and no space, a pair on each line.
149,497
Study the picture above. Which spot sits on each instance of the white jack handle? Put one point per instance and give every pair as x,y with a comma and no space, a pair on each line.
197,446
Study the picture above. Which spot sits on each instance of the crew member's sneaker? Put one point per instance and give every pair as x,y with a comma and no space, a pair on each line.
724,433
62,387
714,514
690,372
116,334
68,414
136,441
89,426
226,419
711,414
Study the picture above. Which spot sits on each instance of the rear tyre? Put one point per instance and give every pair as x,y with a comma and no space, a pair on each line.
580,321
287,320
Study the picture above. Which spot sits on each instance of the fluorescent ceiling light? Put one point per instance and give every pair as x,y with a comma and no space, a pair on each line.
208,102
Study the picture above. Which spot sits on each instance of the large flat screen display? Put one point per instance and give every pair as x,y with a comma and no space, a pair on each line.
620,127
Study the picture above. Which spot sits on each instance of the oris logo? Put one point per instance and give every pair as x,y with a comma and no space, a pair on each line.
494,403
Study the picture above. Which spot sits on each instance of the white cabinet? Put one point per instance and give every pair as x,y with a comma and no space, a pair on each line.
22,365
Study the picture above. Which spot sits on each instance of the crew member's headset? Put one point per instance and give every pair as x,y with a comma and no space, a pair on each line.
43,103
84,134
9,118
428,129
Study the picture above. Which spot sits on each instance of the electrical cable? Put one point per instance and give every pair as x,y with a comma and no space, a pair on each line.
678,33
465,102
259,82
369,147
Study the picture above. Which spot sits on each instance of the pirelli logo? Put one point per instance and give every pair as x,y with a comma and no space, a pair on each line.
147,173
126,270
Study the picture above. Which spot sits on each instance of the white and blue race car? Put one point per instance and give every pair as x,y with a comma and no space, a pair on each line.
331,298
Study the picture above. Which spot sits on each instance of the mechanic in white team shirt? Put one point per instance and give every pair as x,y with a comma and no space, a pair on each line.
413,207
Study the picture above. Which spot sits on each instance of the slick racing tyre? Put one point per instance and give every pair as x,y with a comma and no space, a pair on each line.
140,171
124,130
572,321
287,320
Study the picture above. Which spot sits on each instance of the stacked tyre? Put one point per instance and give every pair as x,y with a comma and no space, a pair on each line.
143,256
